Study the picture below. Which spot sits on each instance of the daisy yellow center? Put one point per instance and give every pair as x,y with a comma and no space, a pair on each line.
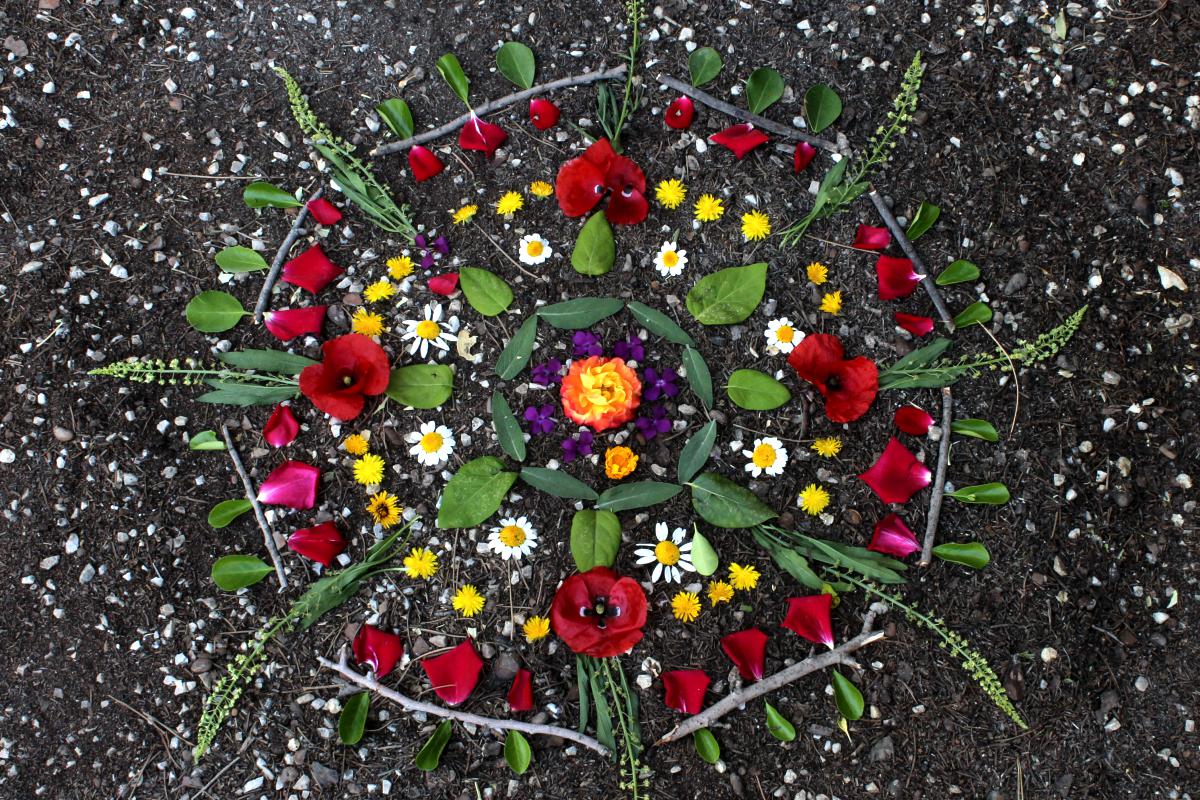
764,456
670,258
534,248
512,536
428,329
432,442
786,333
667,553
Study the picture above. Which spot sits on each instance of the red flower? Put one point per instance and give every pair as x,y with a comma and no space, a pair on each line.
520,696
311,270
896,277
897,475
292,484
869,237
478,134
685,689
748,651
849,386
740,139
583,181
893,538
281,429
324,211
378,648
680,113
444,285
353,368
917,326
423,163
454,674
802,156
809,617
543,114
321,543
288,323
598,613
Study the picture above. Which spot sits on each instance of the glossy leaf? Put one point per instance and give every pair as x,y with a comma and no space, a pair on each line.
517,752
847,696
706,746
205,440
421,385
927,214
756,391
474,493
978,312
704,555
993,494
261,194
353,719
764,87
640,494
431,753
822,107
728,296
960,271
582,312
595,539
969,554
452,72
486,291
704,64
397,116
695,453
725,504
778,725
698,376
979,428
660,324
276,361
240,259
557,483
516,353
226,511
516,62
214,312
237,572
595,251
508,429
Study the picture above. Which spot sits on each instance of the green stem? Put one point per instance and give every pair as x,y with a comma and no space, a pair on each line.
620,702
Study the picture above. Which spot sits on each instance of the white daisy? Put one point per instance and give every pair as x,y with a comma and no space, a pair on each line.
670,556
768,455
670,260
432,444
782,336
431,330
534,249
514,538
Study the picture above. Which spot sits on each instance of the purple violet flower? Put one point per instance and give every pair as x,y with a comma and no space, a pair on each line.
587,344
657,384
540,419
577,446
431,252
652,421
631,349
547,373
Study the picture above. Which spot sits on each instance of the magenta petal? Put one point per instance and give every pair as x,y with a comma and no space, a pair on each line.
912,420
869,237
685,689
444,285
748,651
324,211
893,538
740,139
802,156
916,325
896,277
478,134
542,113
897,475
311,270
423,163
292,484
378,648
288,323
809,617
520,695
321,543
454,674
282,428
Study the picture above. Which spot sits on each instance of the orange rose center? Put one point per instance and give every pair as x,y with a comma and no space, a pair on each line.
601,392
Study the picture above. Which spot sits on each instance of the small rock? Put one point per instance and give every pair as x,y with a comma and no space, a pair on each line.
63,434
1143,209
1016,282
883,750
505,667
16,46
200,665
323,775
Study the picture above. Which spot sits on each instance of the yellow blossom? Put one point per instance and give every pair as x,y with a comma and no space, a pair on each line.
685,606
510,203
541,189
743,578
467,601
380,290
420,564
535,628
366,323
400,267
719,592
356,444
368,470
818,273
465,214
828,446
755,226
831,303
709,208
619,462
384,508
670,193
813,499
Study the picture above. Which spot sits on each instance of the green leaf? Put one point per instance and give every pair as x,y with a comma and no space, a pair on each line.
508,430
695,453
397,116
871,565
660,324
604,729
240,259
595,538
247,394
969,554
921,357
704,555
992,494
704,64
421,385
353,719
960,271
978,312
763,89
205,440
595,251
698,376
728,296
778,725
927,214
557,483
788,560
1060,25
847,696
582,312
226,511
822,107
237,572
979,428
516,750
431,753
756,391
214,312
639,494
486,292
516,353
721,502
706,746
261,194
516,62
474,493
582,682
276,361
452,73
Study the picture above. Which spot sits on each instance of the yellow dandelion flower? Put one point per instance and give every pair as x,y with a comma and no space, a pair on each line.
828,446
510,203
380,290
755,226
540,189
467,601
685,606
743,578
831,303
400,267
366,323
813,499
420,564
818,273
670,193
619,462
384,508
465,214
356,444
709,208
535,628
368,470
719,592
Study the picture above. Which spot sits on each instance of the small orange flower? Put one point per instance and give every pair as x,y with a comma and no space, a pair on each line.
619,462
601,393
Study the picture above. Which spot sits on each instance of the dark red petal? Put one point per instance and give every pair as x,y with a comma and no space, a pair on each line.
353,366
542,113
816,358
680,113
893,538
624,175
858,384
802,156
282,428
520,696
424,163
917,326
896,277
747,650
321,543
324,211
454,674
580,632
600,154
809,617
288,323
292,484
685,689
578,187
444,285
897,475
378,648
311,270
869,237
478,134
740,139
627,209
912,420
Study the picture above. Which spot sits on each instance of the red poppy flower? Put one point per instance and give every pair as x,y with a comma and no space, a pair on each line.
454,674
378,648
444,285
424,163
311,270
893,538
520,696
802,156
543,114
869,237
292,484
288,323
748,651
680,113
685,689
917,326
849,386
353,367
809,617
282,428
912,420
583,181
599,613
324,211
740,139
478,134
896,277
321,543
897,475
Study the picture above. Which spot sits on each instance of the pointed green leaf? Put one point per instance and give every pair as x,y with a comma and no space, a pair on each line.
921,357
695,453
276,361
353,719
237,572
516,62
214,312
698,376
960,271
728,296
247,394
993,494
595,538
778,725
582,312
660,324
764,87
979,428
704,64
639,494
517,752
431,753
205,440
582,683
557,483
927,215
486,291
822,107
396,115
704,555
452,72
723,503
474,493
261,194
508,429
226,511
706,746
1060,25
604,728
969,554
240,259
421,385
978,312
595,251
756,391
516,353
847,696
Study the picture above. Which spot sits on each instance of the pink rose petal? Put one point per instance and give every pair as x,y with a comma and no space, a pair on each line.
897,475
282,428
893,538
869,237
324,211
802,156
311,270
912,420
444,285
747,650
288,323
740,139
321,543
292,484
520,695
378,648
896,277
916,325
454,674
685,689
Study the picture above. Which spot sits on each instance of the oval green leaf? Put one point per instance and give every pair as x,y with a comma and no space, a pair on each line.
704,555
214,312
353,719
978,312
763,89
822,107
516,353
557,483
695,453
728,296
240,259
704,64
261,194
595,538
226,511
516,62
969,554
756,391
397,116
237,572
706,746
486,291
582,312
698,376
431,753
979,428
639,494
421,385
517,752
267,361
474,493
927,214
508,429
992,494
595,251
452,72
660,324
723,503
778,725
205,440
960,271
847,696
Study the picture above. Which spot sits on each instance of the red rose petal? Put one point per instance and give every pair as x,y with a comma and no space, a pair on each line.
893,538
869,237
378,648
311,270
897,475
680,113
454,674
543,114
740,139
809,617
324,211
478,134
848,386
288,323
747,650
896,277
912,420
626,605
520,696
444,285
292,484
802,156
353,368
282,428
685,689
424,163
321,543
917,326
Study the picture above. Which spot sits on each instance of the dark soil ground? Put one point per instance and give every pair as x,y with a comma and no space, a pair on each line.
1066,170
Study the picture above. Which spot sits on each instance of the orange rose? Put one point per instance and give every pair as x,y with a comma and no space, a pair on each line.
601,393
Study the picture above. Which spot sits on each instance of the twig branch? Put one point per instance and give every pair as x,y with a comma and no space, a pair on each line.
411,706
252,496
889,219
281,255
939,482
777,128
495,105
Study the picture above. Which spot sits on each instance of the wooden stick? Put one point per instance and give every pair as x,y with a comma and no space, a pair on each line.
777,128
495,105
295,233
939,482
889,219
252,496
412,705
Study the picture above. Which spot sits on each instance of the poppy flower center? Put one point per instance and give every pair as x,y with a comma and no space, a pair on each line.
833,383
764,456
431,442
534,249
512,536
670,258
785,333
428,329
347,380
667,553
600,609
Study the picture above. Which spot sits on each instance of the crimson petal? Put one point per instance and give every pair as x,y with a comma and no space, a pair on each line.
324,211
423,163
685,689
916,325
282,428
627,205
321,543
454,674
680,113
848,386
802,156
912,420
311,270
748,651
893,538
444,285
353,368
288,323
809,617
543,114
378,648
869,237
897,475
580,182
292,484
896,277
520,696
478,134
740,139
627,209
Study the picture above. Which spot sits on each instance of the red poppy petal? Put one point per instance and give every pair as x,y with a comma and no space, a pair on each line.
809,617
624,176
444,285
897,475
324,211
520,696
311,270
424,163
627,209
321,543
454,674
292,484
740,139
479,134
802,156
288,323
896,277
816,358
685,689
353,366
578,187
680,113
747,650
579,631
600,154
869,237
917,326
893,538
912,420
282,428
858,384
542,113
378,648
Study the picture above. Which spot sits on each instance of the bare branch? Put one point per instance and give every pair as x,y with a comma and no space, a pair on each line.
939,481
295,233
889,219
252,496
